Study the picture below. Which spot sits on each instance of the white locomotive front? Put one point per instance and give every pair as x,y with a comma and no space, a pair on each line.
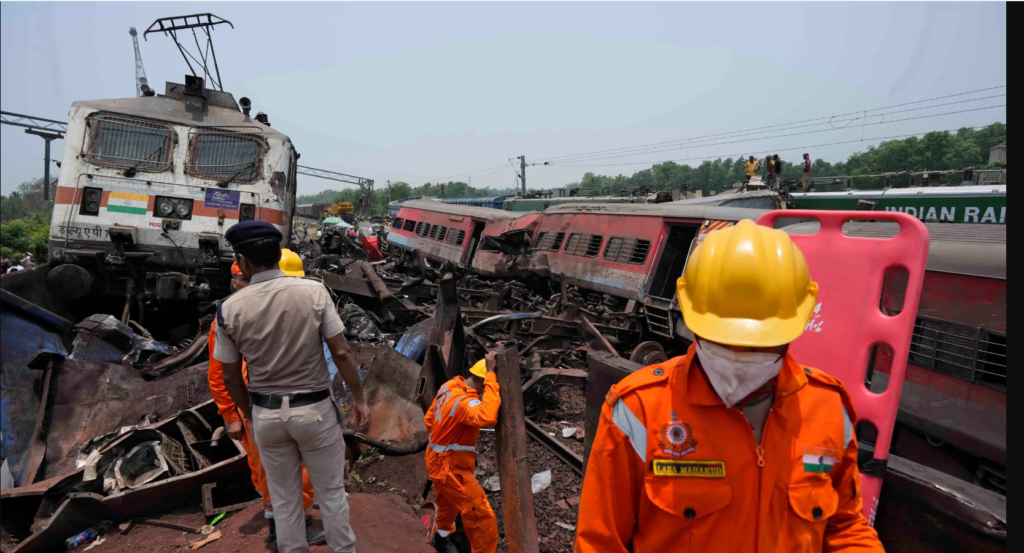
149,185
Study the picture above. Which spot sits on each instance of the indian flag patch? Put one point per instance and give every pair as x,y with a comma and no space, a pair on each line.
126,202
820,460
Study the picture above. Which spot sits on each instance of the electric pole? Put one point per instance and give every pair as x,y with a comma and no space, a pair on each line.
522,172
140,71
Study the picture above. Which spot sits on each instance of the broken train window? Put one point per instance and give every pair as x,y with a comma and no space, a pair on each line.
627,250
397,223
586,245
409,225
117,141
225,154
549,241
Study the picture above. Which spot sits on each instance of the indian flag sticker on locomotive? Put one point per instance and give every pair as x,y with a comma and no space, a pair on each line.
819,459
126,202
688,469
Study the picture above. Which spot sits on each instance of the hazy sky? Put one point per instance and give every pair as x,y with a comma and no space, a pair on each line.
421,91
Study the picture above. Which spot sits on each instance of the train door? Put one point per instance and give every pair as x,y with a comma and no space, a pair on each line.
474,241
658,308
673,259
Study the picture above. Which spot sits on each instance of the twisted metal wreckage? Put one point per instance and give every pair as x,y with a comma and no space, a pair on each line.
102,422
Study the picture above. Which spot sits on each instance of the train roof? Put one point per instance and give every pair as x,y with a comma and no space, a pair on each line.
466,210
171,109
667,209
959,248
926,191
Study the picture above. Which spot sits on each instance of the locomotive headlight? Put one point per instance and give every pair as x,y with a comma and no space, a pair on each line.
91,198
164,208
183,209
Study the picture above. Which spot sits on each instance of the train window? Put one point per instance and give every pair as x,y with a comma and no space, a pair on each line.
225,155
397,223
409,225
128,142
586,245
627,250
438,232
549,241
455,236
959,350
422,229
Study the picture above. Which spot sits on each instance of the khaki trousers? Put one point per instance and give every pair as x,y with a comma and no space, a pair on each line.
311,434
806,181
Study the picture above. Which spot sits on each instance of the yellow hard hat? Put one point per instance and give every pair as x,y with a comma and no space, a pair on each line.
479,369
291,263
747,285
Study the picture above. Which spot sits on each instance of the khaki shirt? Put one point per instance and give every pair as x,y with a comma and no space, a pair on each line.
276,323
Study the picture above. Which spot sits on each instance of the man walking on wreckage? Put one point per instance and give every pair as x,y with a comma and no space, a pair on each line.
240,428
462,407
276,323
734,446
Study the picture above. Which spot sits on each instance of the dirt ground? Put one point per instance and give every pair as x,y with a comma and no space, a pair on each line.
382,523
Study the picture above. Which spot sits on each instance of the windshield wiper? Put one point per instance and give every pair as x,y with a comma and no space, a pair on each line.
130,172
226,182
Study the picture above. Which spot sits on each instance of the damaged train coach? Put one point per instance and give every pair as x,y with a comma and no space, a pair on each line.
629,255
148,186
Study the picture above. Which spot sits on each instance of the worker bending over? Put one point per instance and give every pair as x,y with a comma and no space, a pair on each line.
735,446
462,407
240,428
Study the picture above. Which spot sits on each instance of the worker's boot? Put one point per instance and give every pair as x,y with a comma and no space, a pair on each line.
313,536
443,545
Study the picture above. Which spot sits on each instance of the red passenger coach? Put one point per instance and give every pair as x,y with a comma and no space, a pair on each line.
449,232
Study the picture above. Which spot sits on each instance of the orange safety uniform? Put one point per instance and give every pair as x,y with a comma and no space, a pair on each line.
454,421
226,408
673,469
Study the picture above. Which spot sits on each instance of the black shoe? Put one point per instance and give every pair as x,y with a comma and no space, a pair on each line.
442,545
316,537
272,536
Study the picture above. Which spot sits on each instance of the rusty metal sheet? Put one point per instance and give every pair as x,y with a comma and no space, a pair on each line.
390,390
520,523
925,511
102,397
445,355
605,370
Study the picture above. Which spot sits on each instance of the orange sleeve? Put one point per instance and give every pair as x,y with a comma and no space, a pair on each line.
847,529
611,491
215,374
428,419
482,412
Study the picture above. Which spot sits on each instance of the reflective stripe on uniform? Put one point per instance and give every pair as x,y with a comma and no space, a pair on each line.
455,405
631,426
474,403
847,428
451,447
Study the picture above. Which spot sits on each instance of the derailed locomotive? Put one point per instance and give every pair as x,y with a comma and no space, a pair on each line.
149,185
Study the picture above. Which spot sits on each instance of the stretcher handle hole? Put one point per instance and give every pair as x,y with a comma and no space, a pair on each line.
876,377
894,290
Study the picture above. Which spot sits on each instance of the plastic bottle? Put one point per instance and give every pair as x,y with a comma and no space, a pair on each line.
88,535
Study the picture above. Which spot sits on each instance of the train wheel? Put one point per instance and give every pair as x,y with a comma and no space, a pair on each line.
648,353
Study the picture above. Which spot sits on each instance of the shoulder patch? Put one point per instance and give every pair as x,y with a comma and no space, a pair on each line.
647,376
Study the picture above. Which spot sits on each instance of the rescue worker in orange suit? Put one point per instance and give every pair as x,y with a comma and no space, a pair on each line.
461,408
239,429
735,446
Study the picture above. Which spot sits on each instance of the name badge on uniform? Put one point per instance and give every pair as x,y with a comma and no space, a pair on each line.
819,459
688,469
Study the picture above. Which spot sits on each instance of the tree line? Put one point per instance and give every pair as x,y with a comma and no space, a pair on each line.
935,151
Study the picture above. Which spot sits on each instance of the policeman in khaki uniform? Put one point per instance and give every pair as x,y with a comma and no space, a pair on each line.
276,323
734,446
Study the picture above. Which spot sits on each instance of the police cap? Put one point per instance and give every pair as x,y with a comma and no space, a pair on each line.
250,231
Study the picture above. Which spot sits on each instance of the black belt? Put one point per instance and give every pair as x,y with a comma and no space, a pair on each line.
273,401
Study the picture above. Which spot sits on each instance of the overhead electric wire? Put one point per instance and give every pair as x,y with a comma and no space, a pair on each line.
570,162
773,149
428,181
823,120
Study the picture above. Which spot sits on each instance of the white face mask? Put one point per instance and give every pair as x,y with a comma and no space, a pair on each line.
734,375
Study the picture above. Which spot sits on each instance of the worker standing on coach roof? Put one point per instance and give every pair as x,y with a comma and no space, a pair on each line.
240,428
276,323
735,446
751,167
462,407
